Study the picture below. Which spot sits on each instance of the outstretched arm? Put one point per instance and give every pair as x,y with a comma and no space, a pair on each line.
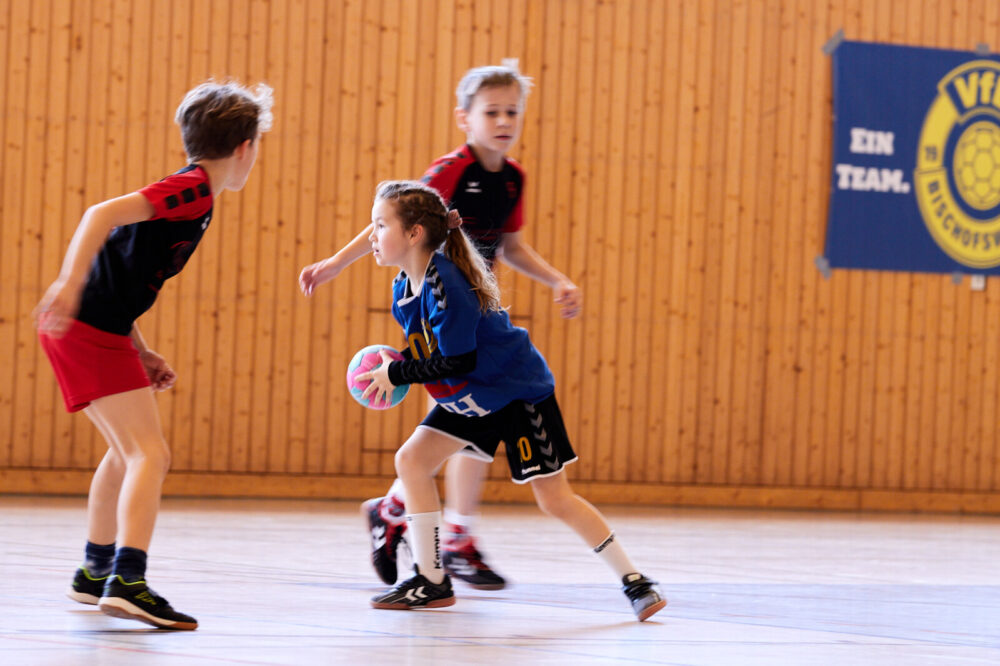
61,302
522,257
316,274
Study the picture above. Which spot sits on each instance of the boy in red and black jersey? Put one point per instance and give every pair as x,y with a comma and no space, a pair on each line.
121,254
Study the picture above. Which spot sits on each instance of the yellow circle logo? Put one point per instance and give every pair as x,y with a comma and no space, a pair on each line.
957,179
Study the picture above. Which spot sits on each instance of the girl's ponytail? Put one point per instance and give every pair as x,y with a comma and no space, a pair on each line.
458,248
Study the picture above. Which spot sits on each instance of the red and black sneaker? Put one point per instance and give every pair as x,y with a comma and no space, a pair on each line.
385,535
460,558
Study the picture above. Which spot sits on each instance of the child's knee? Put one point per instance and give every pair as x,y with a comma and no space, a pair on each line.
408,462
155,452
556,504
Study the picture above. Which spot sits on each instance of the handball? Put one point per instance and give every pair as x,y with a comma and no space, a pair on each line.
368,359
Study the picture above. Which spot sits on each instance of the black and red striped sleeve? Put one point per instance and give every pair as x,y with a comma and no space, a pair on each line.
181,196
445,172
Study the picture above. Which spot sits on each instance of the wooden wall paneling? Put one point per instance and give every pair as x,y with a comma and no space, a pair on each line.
748,70
325,410
607,157
11,37
250,417
679,427
17,150
592,407
297,230
59,228
902,323
817,296
235,225
957,441
779,414
905,459
50,144
723,398
217,313
649,439
345,452
441,128
989,459
195,286
575,382
718,332
802,316
387,145
648,433
632,45
695,443
374,295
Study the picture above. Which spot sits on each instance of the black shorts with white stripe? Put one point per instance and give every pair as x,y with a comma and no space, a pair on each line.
534,436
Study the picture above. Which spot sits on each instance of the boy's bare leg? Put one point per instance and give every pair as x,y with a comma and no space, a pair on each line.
102,501
133,422
464,477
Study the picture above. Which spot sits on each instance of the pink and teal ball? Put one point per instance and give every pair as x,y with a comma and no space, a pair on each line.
364,361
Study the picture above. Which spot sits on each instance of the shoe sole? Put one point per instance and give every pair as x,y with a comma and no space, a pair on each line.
655,608
484,586
437,603
118,607
82,597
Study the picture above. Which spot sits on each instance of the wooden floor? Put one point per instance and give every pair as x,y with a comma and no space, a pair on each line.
278,582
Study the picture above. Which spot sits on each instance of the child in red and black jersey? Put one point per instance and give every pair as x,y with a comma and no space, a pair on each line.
487,189
121,254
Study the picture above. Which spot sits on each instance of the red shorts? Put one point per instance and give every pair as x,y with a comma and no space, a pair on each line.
90,363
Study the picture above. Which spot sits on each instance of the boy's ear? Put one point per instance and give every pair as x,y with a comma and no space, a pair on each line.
462,118
242,149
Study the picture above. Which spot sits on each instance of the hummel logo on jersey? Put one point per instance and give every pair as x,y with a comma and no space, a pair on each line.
528,470
473,186
415,595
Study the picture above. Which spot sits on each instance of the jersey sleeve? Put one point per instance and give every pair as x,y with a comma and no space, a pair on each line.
515,220
445,173
181,196
454,313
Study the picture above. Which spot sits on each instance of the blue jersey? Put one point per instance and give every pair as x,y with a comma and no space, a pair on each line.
445,319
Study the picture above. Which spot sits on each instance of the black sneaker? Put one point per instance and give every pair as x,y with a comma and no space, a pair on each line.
135,601
645,597
86,589
385,539
461,559
416,592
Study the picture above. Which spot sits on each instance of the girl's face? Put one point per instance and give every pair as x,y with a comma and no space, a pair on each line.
390,241
494,120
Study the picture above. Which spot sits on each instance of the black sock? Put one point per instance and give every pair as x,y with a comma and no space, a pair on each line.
98,559
130,564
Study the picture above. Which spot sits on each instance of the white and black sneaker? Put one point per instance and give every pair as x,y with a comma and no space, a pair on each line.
416,592
643,594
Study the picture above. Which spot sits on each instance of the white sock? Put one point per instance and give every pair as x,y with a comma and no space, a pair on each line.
425,540
615,557
453,517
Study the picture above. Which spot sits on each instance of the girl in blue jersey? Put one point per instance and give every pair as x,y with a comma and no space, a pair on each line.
490,385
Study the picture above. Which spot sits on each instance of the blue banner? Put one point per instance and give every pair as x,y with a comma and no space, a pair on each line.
916,160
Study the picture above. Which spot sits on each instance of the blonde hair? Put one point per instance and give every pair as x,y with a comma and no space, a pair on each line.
492,76
416,203
216,117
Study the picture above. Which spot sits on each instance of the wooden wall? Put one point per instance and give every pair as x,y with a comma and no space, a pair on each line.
678,156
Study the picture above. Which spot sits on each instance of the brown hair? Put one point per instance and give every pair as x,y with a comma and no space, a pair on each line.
216,117
417,203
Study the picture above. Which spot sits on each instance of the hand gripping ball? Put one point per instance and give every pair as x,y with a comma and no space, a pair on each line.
365,360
